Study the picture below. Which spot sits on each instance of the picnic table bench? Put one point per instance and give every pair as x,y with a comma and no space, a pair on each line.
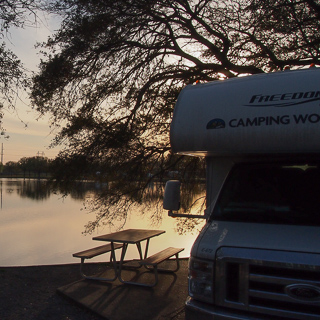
93,252
151,263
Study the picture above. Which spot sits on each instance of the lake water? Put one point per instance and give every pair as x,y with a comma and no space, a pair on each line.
38,227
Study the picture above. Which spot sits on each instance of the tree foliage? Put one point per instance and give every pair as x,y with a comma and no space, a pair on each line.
13,75
31,167
13,13
17,13
112,73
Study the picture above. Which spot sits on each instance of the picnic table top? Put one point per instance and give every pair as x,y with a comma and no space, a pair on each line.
129,235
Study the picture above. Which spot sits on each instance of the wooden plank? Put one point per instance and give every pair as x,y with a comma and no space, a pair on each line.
161,256
90,253
130,235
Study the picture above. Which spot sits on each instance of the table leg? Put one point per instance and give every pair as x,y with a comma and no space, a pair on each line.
138,244
123,253
124,248
113,257
146,249
114,262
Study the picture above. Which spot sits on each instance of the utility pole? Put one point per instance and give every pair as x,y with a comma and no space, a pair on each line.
2,153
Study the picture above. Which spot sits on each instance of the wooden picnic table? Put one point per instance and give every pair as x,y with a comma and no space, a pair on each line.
121,240
126,237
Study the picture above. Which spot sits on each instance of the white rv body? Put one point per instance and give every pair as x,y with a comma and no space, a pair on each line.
269,113
248,262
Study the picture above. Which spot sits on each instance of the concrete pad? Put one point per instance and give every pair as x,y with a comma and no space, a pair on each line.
116,301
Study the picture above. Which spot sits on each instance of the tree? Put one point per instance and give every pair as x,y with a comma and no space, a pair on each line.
13,75
13,13
35,166
113,72
11,167
293,25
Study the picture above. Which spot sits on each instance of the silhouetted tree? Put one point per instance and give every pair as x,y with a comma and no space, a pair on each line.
13,13
11,168
113,72
34,166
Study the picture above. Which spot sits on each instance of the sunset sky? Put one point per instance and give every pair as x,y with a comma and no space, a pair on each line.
35,138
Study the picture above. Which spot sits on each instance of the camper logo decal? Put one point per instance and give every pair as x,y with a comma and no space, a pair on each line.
273,100
283,99
216,124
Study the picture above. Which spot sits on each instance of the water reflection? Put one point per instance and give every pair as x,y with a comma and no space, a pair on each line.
40,224
42,189
112,209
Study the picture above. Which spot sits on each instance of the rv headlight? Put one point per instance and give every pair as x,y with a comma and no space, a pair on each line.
201,279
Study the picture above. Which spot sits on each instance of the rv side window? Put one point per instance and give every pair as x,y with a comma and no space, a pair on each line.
271,193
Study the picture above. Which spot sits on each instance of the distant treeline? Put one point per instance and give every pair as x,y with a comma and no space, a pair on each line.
42,167
32,167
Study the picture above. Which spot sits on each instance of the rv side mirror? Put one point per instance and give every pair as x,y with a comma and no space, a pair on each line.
171,200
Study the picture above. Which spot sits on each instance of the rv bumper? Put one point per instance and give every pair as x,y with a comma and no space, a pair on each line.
198,310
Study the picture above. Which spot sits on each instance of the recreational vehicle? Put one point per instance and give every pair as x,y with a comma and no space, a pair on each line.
258,255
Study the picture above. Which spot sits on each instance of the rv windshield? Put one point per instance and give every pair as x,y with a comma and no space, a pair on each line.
271,193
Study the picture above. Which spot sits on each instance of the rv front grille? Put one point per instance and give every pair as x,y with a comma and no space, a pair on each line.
274,283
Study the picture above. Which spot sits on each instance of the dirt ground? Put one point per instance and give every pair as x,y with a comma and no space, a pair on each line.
31,293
